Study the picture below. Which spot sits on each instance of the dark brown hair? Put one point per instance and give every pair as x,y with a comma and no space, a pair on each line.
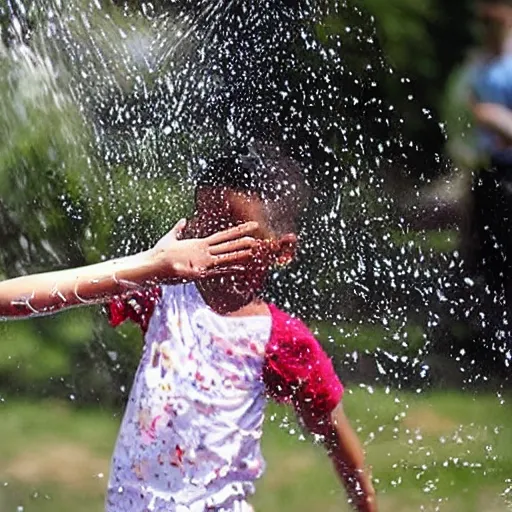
263,170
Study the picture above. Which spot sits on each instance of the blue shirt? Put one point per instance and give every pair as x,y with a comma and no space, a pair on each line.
492,83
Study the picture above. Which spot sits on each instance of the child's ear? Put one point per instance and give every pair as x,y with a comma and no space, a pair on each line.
287,249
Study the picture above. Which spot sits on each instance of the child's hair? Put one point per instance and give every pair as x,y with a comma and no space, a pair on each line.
265,171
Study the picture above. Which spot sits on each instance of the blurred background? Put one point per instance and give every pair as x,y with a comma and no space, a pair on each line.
106,107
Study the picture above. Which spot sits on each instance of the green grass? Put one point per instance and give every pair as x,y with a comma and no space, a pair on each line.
446,450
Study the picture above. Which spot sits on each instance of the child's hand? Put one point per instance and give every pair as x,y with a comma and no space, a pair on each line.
200,257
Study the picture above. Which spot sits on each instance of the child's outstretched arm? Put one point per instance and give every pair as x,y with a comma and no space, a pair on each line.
171,260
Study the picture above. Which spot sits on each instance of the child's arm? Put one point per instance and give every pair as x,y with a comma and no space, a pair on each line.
171,260
298,371
345,450
346,453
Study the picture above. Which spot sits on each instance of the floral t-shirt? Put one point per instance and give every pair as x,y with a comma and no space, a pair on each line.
190,436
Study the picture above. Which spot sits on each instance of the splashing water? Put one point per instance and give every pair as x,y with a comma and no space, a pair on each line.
107,109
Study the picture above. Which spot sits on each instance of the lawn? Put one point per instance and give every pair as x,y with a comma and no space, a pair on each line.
443,451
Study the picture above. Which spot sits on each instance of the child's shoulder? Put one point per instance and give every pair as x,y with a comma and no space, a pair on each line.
288,325
292,338
296,359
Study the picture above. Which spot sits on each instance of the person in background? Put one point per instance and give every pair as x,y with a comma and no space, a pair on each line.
481,96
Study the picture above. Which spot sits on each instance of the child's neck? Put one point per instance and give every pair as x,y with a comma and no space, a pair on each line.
232,303
257,307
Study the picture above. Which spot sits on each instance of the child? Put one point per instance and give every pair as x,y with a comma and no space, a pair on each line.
214,351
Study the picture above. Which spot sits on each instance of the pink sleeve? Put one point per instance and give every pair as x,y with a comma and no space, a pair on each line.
297,370
137,306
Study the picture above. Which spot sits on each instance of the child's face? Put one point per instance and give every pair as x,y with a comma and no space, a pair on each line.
221,208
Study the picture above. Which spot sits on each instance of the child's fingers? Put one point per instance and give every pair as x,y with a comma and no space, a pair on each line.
232,257
232,233
240,244
219,271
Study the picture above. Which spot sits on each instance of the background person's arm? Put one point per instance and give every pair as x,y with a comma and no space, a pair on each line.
170,260
489,101
496,118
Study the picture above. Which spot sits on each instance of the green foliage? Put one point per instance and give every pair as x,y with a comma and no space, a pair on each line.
43,188
403,27
462,146
35,352
57,209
